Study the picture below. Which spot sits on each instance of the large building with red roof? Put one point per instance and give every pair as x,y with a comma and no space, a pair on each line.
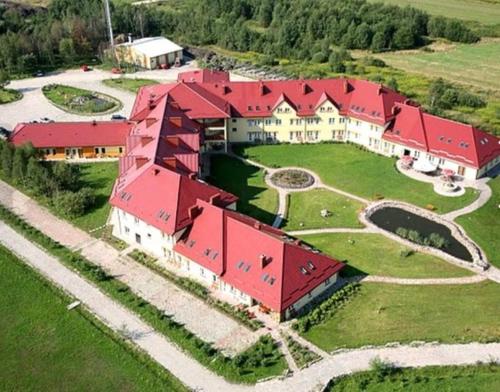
161,204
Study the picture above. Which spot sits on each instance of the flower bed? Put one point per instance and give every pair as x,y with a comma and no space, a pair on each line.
292,179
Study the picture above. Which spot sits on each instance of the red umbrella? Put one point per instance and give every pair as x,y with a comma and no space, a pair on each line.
448,172
407,159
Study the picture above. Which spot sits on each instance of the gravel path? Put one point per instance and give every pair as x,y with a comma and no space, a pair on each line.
333,230
419,282
201,319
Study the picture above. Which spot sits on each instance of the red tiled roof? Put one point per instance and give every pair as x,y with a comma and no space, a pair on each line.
442,137
72,134
203,76
254,258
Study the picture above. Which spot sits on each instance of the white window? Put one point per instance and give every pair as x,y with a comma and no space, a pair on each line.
278,121
331,120
417,154
136,220
268,121
127,230
327,281
441,161
202,271
342,120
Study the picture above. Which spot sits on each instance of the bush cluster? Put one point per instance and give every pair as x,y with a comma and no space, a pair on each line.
434,239
327,308
444,95
300,354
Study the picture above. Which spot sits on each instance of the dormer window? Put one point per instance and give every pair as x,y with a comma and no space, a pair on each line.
249,108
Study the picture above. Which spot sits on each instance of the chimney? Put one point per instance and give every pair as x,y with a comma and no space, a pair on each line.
395,110
94,123
192,176
347,87
215,198
226,90
305,88
151,101
145,140
380,89
257,225
193,212
150,121
140,161
262,88
156,172
297,242
130,39
177,121
170,162
263,261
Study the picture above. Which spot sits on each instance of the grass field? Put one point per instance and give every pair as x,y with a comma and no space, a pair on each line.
8,95
374,254
80,101
359,172
483,225
128,84
246,182
478,378
482,11
305,208
382,313
45,347
100,177
476,64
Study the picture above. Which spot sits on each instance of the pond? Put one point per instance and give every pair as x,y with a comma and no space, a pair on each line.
391,218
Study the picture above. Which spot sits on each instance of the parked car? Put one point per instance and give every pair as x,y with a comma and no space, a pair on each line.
39,73
4,133
46,120
118,117
85,68
116,70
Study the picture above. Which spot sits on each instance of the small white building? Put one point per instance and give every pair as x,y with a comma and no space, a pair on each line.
149,53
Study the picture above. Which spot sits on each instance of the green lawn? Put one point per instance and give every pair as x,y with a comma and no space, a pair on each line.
246,182
45,347
80,101
128,84
374,254
359,172
483,225
305,208
382,313
482,11
100,177
476,65
8,95
479,378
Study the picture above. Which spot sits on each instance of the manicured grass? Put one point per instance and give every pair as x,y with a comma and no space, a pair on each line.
305,208
476,64
100,177
483,11
246,182
478,378
68,99
382,313
8,95
359,172
128,84
45,347
483,225
374,254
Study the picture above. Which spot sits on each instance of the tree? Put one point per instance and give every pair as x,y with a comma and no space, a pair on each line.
7,156
74,204
393,84
67,50
4,78
19,165
404,38
266,12
67,176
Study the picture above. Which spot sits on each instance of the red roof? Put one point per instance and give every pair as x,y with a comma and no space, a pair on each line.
254,258
442,137
72,134
203,76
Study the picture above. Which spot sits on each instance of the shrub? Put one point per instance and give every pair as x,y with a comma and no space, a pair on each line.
404,253
381,368
320,57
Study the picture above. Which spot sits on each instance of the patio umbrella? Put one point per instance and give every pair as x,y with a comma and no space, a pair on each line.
424,166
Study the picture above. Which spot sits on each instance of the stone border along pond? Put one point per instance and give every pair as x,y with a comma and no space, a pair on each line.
389,215
292,179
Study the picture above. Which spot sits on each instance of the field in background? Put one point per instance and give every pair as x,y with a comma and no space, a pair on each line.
486,12
477,65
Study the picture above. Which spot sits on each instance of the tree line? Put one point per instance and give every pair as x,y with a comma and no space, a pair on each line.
68,31
59,183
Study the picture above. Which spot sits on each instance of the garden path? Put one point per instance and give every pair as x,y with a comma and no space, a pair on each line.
197,377
492,273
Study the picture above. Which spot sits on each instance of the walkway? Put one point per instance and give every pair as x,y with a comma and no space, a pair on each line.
194,375
418,282
329,230
201,319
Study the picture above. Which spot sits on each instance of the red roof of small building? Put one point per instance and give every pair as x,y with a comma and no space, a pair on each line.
72,134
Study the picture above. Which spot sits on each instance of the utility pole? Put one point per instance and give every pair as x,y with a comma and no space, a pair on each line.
110,28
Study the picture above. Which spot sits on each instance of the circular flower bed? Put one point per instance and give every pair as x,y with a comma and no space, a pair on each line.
292,179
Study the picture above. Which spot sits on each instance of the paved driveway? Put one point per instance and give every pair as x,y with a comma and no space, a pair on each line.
34,105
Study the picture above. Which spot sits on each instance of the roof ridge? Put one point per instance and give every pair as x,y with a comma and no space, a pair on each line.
189,86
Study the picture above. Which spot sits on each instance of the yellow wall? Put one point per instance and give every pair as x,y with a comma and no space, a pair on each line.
84,152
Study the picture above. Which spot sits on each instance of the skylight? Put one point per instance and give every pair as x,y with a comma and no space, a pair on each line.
271,281
191,243
214,255
304,271
311,265
240,264
247,268
264,277
206,252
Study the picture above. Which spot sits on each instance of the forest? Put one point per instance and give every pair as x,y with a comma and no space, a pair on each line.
68,32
